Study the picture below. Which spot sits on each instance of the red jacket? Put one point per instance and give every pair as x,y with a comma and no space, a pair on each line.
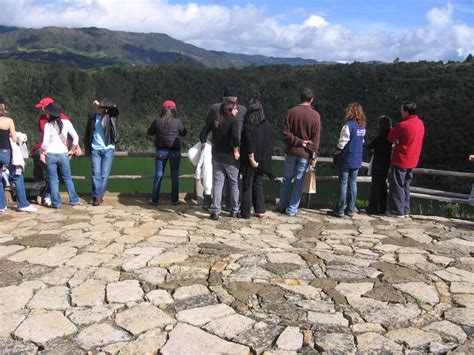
408,137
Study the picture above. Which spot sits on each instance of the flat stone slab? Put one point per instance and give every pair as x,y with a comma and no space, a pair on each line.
188,339
90,293
202,315
420,291
448,330
167,259
54,257
290,339
190,291
39,328
334,319
158,297
53,298
142,318
374,342
334,342
124,291
412,337
98,335
230,326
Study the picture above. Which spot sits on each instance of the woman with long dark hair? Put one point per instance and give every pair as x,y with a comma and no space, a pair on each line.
168,130
256,150
56,154
225,156
382,149
349,154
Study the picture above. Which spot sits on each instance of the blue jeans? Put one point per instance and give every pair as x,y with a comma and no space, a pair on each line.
161,158
293,168
347,192
101,166
61,162
21,200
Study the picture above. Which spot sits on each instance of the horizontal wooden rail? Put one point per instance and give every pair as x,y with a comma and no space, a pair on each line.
419,192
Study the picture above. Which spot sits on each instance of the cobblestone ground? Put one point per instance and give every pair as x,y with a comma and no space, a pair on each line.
126,278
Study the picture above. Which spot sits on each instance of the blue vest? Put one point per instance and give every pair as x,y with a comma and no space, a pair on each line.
352,152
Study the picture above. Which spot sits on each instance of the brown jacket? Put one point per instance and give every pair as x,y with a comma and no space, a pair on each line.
302,123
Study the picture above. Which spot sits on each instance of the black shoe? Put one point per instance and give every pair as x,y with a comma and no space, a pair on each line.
206,207
280,210
214,216
334,214
235,215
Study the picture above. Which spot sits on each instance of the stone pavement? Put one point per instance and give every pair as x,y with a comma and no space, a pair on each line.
130,279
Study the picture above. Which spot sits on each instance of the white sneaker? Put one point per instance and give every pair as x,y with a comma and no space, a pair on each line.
388,214
29,208
47,201
3,209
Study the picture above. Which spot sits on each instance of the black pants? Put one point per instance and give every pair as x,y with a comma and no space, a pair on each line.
399,193
378,191
252,192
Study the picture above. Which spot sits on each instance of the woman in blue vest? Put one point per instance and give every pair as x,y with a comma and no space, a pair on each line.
348,159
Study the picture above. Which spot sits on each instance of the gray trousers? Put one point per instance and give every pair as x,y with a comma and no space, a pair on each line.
221,170
399,191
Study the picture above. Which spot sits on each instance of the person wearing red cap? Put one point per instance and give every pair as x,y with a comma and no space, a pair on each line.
168,130
101,136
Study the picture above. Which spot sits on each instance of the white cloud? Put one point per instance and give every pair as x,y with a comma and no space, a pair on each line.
249,30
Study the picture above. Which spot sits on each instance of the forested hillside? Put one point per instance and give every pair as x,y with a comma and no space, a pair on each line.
443,92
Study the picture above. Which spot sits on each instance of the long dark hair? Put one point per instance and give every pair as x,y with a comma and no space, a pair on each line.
254,114
224,113
167,114
58,121
385,125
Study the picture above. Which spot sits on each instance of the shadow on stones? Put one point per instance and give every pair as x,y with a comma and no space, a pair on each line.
37,240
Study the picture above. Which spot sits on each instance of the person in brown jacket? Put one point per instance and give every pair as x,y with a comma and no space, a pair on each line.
301,132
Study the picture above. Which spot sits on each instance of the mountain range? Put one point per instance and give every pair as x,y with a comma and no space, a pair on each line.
95,47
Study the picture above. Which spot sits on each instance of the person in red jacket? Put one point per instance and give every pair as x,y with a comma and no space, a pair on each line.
408,139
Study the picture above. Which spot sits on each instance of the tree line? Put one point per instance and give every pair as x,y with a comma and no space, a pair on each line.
444,94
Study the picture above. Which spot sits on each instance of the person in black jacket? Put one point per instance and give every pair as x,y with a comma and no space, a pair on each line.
382,149
225,156
101,136
168,130
256,152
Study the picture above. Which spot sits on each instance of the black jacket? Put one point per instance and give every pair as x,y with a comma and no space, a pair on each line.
258,139
111,131
382,152
167,138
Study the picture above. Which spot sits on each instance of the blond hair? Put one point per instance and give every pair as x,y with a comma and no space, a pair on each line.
355,112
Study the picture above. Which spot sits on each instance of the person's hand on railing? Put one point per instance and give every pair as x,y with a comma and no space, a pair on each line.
313,162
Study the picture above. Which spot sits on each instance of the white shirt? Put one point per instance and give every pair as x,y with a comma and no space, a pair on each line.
52,143
344,137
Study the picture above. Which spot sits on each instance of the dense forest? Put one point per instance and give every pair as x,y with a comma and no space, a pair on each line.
444,94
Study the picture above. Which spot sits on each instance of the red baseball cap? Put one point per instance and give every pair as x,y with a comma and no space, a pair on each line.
169,103
44,102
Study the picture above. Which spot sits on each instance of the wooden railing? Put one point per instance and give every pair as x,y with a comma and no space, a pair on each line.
419,192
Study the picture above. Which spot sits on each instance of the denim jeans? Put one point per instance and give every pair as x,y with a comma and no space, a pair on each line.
161,158
20,194
55,162
294,168
101,166
347,192
221,171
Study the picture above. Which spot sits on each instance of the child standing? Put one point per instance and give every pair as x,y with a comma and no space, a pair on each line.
382,150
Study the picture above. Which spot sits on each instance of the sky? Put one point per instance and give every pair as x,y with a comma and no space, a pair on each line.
331,30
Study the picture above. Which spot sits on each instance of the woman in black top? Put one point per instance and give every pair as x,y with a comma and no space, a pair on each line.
382,149
256,150
225,156
168,130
